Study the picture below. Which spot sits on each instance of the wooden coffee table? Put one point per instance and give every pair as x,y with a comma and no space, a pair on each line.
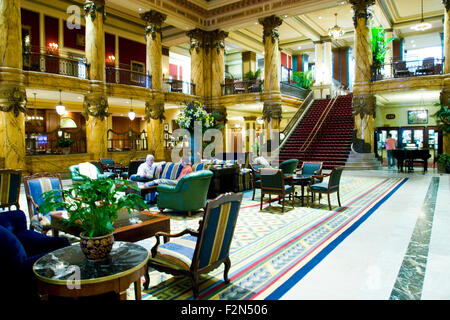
124,230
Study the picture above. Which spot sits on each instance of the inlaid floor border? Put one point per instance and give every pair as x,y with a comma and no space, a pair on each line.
410,278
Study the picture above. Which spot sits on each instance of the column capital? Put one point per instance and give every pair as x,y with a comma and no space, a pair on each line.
154,110
92,7
446,4
154,20
360,9
13,99
272,110
270,25
363,104
95,105
207,39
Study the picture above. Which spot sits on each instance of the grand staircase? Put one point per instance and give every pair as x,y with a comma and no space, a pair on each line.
324,133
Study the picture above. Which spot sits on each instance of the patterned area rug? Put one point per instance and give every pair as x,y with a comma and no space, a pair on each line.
271,251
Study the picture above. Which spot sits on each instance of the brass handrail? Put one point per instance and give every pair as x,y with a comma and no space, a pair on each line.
318,125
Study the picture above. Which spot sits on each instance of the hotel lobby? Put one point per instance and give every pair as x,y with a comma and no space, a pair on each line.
227,150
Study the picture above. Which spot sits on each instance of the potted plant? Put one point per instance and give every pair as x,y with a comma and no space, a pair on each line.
303,79
93,205
444,161
379,50
64,144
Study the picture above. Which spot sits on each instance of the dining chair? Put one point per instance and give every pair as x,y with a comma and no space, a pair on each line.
327,187
272,182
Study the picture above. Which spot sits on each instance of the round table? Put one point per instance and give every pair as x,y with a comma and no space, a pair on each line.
67,273
301,180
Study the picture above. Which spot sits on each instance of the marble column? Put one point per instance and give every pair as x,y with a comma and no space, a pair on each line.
272,62
12,91
96,112
96,101
153,35
446,36
363,101
95,38
154,114
248,62
196,37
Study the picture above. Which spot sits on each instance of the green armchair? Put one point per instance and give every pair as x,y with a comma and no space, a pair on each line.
76,177
189,194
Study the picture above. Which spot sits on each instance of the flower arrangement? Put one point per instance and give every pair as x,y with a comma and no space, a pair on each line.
194,111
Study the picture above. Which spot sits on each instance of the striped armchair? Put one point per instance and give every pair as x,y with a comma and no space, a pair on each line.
35,186
192,252
9,188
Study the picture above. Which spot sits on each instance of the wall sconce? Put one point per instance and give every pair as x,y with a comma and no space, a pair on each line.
111,59
52,48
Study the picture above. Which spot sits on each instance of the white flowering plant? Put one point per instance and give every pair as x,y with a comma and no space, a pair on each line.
194,111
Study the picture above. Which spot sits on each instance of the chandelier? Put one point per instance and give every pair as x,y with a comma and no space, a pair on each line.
60,108
336,32
422,26
131,113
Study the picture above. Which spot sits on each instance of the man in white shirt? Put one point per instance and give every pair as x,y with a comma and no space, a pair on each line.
148,169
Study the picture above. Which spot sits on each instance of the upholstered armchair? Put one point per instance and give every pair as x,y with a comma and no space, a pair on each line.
189,194
35,187
311,168
327,187
74,171
19,250
189,252
272,182
10,188
288,166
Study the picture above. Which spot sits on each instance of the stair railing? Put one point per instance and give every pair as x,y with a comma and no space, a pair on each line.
318,126
298,116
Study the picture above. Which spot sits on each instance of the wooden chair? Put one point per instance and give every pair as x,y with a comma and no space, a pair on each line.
35,186
272,182
192,253
311,168
256,177
10,180
327,187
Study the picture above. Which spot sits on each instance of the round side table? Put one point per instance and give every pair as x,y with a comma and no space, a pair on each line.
67,273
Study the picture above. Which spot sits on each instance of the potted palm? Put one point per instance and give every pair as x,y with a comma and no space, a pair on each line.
444,161
379,50
64,144
93,205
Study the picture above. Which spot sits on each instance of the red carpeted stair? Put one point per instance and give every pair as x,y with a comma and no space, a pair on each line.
331,143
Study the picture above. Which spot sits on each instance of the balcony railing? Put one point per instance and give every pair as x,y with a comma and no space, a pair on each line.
127,141
46,142
411,68
171,85
49,63
129,77
232,86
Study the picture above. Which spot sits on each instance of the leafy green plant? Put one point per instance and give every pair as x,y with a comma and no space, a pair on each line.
252,75
93,205
379,48
444,160
443,118
64,142
303,79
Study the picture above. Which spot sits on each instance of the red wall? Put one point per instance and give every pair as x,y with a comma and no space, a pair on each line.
131,50
31,19
51,30
283,59
70,37
110,45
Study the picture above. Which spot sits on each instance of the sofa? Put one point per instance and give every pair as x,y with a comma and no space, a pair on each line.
20,248
170,170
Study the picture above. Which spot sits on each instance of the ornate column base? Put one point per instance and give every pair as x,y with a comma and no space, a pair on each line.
154,114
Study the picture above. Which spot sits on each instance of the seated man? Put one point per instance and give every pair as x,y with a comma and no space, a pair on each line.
147,170
187,168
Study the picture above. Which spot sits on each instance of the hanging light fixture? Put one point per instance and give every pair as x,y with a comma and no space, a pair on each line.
336,32
60,108
422,26
131,113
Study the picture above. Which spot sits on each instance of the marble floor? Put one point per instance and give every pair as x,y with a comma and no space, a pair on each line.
401,252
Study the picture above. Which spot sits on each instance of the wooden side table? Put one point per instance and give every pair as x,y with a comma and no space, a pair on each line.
67,273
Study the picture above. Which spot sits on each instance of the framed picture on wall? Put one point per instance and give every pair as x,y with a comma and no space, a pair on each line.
418,117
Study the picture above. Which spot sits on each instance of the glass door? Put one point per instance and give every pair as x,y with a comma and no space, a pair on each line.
418,137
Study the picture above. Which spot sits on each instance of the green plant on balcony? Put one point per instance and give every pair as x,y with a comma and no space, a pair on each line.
303,79
379,49
250,75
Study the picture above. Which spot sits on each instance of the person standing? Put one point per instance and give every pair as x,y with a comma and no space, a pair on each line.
391,144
